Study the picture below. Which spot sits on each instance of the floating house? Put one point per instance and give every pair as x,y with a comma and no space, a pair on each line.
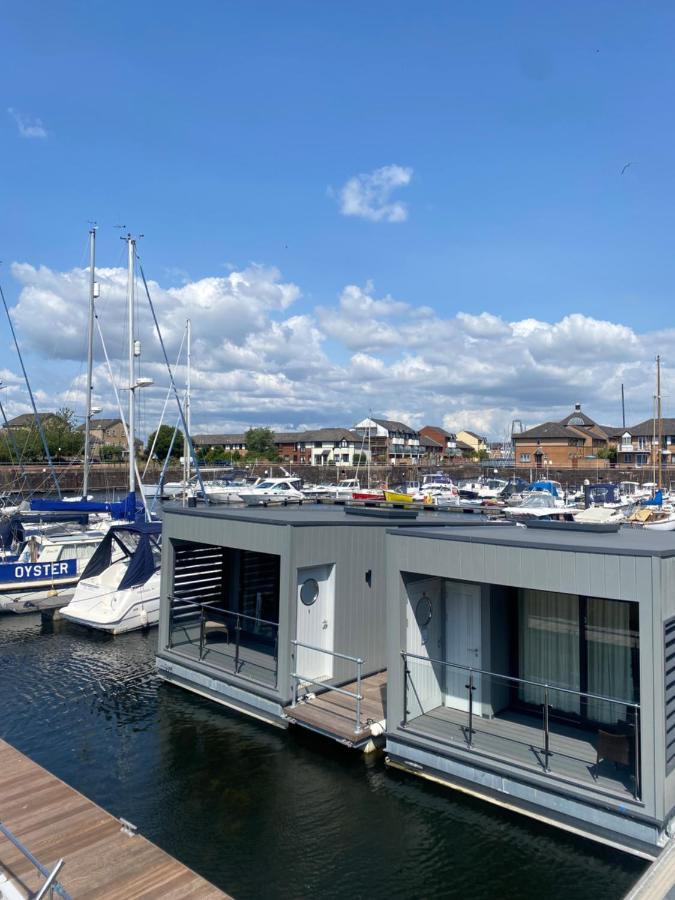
279,612
535,668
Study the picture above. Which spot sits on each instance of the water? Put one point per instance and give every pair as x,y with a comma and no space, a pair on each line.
262,812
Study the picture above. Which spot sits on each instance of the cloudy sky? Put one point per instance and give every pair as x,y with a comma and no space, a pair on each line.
451,213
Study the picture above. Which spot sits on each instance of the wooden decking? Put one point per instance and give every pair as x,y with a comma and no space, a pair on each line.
334,714
658,881
519,737
54,821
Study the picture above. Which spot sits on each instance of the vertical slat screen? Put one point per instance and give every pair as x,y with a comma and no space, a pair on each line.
669,657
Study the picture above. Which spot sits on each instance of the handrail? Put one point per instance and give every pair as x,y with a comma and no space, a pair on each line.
354,659
471,687
211,605
50,883
296,677
541,684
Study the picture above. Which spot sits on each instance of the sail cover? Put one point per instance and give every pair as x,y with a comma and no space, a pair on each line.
124,509
144,535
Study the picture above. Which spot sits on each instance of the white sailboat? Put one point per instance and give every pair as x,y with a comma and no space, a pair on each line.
119,589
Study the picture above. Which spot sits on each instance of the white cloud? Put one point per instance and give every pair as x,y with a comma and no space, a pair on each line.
28,126
257,360
368,195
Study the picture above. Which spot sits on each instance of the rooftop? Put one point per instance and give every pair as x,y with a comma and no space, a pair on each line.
312,514
625,542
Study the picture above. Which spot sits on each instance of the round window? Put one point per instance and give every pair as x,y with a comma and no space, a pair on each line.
309,591
423,611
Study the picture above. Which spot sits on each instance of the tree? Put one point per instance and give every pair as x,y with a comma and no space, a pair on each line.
359,458
260,443
481,454
110,453
165,434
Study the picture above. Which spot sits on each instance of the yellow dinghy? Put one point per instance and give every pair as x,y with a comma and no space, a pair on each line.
395,497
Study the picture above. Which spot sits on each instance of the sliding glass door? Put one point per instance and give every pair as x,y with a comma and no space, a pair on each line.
585,644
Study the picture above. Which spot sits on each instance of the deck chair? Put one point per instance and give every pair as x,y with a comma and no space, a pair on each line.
613,748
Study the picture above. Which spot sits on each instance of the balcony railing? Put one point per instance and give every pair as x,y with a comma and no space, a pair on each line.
243,645
299,678
578,736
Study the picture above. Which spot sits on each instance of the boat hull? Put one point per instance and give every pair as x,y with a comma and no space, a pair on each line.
397,497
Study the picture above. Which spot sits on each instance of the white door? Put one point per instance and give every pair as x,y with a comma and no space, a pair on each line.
425,640
315,622
462,643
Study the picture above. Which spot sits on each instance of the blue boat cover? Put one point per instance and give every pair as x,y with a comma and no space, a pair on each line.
11,530
544,486
601,493
141,559
657,500
124,509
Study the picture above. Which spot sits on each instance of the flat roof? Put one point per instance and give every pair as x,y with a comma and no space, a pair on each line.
627,541
313,514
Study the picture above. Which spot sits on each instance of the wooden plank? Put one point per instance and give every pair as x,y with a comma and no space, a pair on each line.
658,881
101,862
334,713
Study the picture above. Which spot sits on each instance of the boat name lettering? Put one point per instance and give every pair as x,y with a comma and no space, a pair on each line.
28,571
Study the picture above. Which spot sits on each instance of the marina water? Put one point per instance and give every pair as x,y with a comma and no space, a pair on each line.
261,812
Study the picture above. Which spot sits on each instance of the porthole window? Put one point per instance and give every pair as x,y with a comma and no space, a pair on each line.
309,591
423,611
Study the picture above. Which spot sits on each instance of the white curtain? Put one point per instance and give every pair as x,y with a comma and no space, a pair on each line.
548,646
610,658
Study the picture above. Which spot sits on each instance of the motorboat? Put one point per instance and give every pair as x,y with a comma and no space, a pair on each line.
536,504
318,491
44,571
287,490
441,496
397,497
344,489
223,491
120,587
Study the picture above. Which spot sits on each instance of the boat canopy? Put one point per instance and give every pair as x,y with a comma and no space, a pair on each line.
656,500
601,493
123,509
549,486
144,536
11,530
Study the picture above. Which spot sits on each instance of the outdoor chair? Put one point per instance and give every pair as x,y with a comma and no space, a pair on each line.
612,747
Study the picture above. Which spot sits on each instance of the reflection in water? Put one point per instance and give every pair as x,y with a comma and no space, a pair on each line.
258,811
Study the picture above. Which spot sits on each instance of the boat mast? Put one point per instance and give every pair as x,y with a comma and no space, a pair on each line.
186,440
90,360
131,247
659,420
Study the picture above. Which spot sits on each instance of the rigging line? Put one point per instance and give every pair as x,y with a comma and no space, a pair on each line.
166,403
122,419
162,474
188,436
32,399
11,443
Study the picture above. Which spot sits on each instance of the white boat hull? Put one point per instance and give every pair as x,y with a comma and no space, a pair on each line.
115,612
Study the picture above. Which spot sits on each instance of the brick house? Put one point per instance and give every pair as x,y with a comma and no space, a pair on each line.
567,443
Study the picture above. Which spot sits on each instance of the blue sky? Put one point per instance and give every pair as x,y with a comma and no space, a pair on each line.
226,131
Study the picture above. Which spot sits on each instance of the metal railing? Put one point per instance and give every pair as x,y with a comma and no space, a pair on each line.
475,679
51,886
200,616
297,678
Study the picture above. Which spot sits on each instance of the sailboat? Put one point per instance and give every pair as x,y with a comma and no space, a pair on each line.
119,588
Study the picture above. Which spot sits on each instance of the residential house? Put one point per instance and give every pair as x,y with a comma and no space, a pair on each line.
573,441
105,433
226,442
321,447
432,451
635,445
475,441
27,420
447,439
390,442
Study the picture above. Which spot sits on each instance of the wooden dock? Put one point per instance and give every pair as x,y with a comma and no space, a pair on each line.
101,859
333,714
658,881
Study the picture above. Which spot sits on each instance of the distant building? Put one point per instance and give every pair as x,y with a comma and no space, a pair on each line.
636,446
27,420
225,442
573,441
473,440
391,442
321,447
106,433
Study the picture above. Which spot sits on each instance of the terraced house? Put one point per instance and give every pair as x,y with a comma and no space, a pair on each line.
573,441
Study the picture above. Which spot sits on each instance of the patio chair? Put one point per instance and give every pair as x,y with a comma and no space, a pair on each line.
612,747
215,628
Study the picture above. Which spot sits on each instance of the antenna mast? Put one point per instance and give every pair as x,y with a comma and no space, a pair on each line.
660,421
